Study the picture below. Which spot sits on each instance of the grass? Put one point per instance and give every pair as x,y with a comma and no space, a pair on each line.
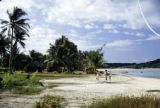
19,84
29,90
49,102
50,75
146,101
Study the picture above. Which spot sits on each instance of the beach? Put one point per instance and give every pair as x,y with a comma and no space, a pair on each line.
81,91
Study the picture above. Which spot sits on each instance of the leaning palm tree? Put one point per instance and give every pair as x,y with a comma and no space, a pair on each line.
15,26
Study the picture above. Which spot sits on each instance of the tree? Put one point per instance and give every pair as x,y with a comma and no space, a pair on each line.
36,56
93,59
17,28
3,44
63,54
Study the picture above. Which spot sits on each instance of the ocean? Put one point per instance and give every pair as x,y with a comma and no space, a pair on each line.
149,72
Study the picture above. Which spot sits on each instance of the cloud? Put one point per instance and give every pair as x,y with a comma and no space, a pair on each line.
77,13
40,38
90,26
109,26
151,38
120,43
114,31
138,34
83,43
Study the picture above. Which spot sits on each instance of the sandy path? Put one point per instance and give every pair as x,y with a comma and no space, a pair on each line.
81,91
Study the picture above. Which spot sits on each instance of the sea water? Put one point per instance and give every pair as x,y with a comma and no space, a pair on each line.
149,72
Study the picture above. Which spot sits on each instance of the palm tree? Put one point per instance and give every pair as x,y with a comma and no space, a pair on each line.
3,44
63,54
17,28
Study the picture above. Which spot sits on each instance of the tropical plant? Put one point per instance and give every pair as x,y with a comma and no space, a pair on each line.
93,60
63,54
16,28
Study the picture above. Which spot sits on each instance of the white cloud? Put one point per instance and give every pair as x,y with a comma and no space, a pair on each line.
120,43
83,43
80,11
138,34
114,31
90,26
150,38
40,38
109,26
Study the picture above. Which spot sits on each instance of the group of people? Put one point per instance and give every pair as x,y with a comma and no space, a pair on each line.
107,74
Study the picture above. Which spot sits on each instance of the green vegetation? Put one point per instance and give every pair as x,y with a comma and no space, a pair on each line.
64,56
146,101
49,102
16,28
19,84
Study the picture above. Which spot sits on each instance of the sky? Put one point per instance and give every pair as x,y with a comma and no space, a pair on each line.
90,24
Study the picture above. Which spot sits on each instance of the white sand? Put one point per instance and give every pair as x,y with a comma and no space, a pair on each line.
81,91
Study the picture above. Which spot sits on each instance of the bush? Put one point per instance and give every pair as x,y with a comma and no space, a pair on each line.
146,101
90,70
19,84
49,102
28,90
11,81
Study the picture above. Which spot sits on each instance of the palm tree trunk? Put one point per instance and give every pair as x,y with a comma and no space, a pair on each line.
11,53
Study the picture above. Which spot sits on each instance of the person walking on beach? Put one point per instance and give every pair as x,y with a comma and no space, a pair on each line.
97,76
110,76
106,74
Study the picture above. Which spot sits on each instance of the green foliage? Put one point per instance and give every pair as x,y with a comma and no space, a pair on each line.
7,81
20,60
17,83
28,90
147,101
49,102
16,28
62,55
36,56
93,60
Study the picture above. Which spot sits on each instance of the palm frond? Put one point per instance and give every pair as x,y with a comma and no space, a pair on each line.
18,13
22,21
3,21
9,15
4,30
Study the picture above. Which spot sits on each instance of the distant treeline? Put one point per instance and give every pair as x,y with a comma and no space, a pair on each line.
150,64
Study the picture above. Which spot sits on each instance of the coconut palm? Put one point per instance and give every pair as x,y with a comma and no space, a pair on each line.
3,44
63,54
16,28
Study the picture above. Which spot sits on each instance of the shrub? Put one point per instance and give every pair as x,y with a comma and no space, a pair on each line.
27,90
19,84
146,101
49,102
7,81
90,70
10,81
